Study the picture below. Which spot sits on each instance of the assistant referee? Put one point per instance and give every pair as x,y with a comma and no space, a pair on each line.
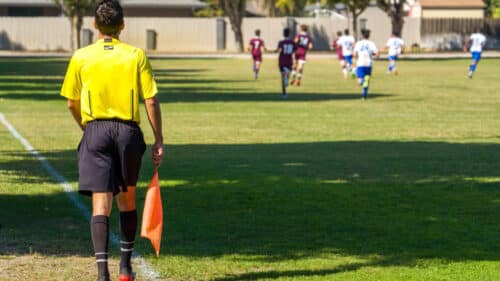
103,85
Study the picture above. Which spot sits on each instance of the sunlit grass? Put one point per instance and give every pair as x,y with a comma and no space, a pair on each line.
320,186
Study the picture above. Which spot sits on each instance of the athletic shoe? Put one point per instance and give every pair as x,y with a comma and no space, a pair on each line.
470,75
124,277
297,83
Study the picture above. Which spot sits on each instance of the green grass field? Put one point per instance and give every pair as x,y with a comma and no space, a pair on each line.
320,186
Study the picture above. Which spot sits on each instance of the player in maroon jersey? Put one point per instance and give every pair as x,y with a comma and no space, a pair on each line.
286,48
338,48
256,47
303,43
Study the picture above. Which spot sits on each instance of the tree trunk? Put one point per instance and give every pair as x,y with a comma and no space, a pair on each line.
238,37
355,25
397,25
236,10
76,28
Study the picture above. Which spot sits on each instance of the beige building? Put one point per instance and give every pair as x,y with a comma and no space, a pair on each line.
448,9
132,8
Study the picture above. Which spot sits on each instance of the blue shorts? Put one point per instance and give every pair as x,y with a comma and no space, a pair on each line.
362,71
348,59
393,57
476,56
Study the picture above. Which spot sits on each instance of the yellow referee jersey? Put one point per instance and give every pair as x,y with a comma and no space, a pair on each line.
108,78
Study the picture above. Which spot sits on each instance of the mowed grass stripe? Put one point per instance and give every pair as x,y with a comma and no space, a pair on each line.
321,186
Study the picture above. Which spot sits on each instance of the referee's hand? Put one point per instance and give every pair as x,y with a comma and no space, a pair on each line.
157,154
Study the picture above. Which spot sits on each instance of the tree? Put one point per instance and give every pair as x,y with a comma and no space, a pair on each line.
235,10
75,10
285,7
394,9
213,10
356,8
491,7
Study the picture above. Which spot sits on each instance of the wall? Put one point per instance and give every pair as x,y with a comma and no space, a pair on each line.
34,33
184,35
323,30
451,33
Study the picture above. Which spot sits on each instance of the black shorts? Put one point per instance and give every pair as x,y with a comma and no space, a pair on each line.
109,156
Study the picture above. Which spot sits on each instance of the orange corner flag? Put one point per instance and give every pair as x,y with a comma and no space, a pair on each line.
152,216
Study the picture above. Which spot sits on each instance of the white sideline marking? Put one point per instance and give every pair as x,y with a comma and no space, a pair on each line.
147,271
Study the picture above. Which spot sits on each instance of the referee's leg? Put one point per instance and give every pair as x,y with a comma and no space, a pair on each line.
99,228
128,228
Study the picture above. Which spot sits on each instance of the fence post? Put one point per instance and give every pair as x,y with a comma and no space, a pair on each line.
292,25
220,33
150,39
87,37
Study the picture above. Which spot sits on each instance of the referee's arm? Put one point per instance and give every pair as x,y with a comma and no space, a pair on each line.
154,116
74,108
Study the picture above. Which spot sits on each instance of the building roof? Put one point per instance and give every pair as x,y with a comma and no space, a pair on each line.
460,4
194,4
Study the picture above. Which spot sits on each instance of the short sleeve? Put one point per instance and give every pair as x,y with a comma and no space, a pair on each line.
148,86
72,85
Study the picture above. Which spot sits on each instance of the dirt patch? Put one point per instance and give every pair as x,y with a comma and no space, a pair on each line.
39,267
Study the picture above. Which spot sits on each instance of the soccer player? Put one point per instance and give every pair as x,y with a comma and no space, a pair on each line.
303,43
396,46
286,49
364,51
338,48
476,41
256,47
103,85
347,42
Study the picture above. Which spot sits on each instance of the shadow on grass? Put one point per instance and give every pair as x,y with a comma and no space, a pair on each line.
33,81
399,201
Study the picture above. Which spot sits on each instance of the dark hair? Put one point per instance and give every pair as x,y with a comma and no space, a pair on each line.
303,27
286,32
109,17
365,33
346,31
339,33
257,32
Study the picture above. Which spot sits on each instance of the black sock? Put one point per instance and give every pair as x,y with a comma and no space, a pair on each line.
128,228
99,228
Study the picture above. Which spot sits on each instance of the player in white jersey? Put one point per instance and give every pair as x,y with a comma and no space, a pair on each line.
395,46
347,43
476,41
365,51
